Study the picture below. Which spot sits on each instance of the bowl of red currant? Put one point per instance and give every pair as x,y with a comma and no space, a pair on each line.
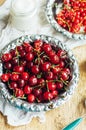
68,17
37,73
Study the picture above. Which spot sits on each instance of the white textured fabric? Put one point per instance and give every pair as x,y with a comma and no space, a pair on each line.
16,117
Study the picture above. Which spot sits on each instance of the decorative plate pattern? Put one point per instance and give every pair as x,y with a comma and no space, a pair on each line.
52,21
37,107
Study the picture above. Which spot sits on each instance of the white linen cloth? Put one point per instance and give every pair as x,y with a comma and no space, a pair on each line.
16,117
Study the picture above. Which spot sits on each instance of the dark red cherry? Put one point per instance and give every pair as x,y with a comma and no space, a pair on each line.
29,56
6,57
32,80
18,69
27,89
31,98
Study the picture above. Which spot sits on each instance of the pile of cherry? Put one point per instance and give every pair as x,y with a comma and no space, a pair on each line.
36,71
72,17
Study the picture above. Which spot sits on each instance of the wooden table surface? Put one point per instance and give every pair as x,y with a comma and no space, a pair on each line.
56,119
2,1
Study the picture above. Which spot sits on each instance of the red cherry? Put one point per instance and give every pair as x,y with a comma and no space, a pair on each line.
45,66
14,61
22,53
35,69
13,53
13,85
25,75
51,86
31,98
62,54
6,57
27,47
19,48
51,53
61,64
14,77
54,59
56,69
29,56
41,81
27,89
47,48
7,65
4,77
18,69
21,83
59,85
32,80
37,92
38,44
55,93
64,75
49,75
19,93
47,96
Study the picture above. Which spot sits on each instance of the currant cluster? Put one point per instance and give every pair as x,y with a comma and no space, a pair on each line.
36,71
72,17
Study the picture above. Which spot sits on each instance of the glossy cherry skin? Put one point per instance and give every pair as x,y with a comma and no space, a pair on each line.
47,48
32,80
35,69
31,98
18,69
47,96
55,93
37,92
24,75
21,83
19,93
49,75
7,65
64,75
59,85
13,85
29,56
45,66
51,86
6,57
14,77
4,77
27,89
54,59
